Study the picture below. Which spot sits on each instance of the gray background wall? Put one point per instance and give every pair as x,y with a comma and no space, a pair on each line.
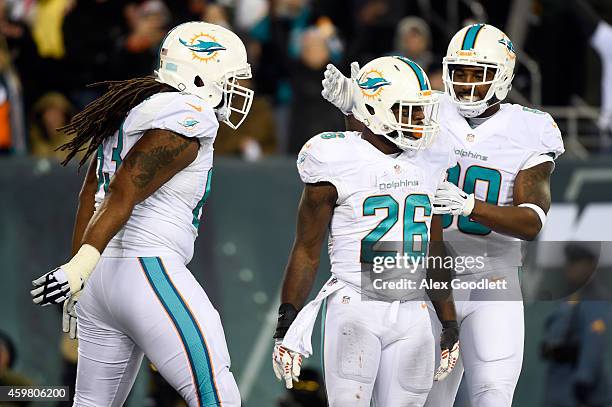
245,236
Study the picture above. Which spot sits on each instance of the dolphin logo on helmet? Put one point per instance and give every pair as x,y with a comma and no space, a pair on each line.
508,44
207,47
406,88
373,83
219,81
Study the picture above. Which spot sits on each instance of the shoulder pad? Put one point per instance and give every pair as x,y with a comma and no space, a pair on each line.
322,157
181,113
542,133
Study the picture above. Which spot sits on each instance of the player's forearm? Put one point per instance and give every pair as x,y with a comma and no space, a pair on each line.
86,206
445,310
84,214
108,220
441,298
299,278
515,221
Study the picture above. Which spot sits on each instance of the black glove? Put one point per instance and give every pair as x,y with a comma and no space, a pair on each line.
450,334
449,349
286,315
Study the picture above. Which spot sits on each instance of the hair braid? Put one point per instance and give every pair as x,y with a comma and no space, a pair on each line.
102,117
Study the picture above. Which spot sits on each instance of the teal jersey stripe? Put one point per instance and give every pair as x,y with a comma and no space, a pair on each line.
116,157
197,210
185,324
417,71
470,36
106,181
100,157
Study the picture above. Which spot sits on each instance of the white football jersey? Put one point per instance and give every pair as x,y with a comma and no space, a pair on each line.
489,158
165,223
381,198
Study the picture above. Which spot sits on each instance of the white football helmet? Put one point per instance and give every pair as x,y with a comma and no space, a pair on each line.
388,81
480,45
207,60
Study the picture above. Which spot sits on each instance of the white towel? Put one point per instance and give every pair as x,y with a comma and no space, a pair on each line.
299,336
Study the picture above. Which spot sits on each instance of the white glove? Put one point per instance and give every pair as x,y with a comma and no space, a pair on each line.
69,316
450,200
287,364
340,90
57,285
448,360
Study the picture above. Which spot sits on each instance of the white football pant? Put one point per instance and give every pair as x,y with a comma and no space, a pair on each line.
155,307
376,350
491,351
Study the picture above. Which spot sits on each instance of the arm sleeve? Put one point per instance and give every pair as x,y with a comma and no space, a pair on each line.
548,145
537,159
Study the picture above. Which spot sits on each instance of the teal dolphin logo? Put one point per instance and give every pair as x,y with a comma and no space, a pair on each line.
207,47
373,83
189,123
507,43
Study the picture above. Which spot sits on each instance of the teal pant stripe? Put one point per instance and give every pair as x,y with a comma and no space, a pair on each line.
470,36
185,324
323,316
417,71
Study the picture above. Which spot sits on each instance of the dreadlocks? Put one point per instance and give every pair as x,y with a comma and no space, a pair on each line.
102,117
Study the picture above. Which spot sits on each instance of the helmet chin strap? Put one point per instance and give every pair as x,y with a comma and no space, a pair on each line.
222,113
474,111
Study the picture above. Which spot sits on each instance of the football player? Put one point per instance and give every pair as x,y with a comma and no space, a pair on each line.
139,210
369,188
505,155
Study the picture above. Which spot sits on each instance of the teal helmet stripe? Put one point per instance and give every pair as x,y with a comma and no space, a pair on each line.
417,71
470,36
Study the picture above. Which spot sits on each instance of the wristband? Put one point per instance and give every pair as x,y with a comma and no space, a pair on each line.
450,324
538,210
81,266
286,315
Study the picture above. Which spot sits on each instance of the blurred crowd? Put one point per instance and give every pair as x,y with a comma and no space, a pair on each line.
50,50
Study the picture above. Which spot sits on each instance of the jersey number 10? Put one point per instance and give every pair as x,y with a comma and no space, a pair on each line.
473,174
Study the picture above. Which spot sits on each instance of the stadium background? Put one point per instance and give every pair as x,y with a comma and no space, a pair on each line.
50,49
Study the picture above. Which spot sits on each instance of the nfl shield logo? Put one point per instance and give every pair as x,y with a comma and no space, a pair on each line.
346,299
397,169
470,137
